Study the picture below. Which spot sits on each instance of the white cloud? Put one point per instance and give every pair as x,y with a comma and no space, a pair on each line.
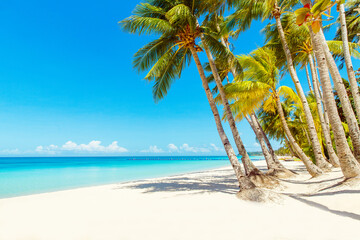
153,149
91,147
46,150
10,151
69,145
215,148
185,147
256,144
173,148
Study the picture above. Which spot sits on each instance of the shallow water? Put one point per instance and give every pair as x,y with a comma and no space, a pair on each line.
23,176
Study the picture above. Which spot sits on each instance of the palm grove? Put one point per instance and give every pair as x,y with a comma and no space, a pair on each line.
320,125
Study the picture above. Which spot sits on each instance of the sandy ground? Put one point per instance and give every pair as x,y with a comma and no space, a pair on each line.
190,206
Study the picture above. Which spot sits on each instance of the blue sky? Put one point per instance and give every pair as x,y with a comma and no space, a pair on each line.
68,87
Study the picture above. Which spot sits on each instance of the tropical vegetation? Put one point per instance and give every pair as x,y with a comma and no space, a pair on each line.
317,121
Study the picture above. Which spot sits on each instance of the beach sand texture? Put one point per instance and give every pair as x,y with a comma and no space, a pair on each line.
190,206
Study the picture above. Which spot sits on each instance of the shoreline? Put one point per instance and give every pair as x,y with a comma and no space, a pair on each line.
120,182
197,205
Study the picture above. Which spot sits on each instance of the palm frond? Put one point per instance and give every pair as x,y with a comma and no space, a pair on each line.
146,25
146,56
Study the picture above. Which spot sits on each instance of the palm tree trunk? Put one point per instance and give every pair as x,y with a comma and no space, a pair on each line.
244,181
305,131
308,77
320,160
349,66
349,166
280,169
354,130
271,150
326,117
334,160
290,147
275,167
268,158
311,168
273,162
248,165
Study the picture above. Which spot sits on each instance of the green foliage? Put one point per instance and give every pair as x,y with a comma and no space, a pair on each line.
352,15
165,57
176,27
283,151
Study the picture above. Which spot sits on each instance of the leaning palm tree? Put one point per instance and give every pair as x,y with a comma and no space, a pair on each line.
166,57
349,166
272,9
314,19
211,45
347,57
352,18
259,80
299,41
220,68
275,168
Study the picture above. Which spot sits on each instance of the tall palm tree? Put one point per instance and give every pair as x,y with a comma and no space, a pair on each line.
275,168
209,43
352,17
338,83
301,50
166,57
347,56
227,64
349,166
260,78
271,8
334,160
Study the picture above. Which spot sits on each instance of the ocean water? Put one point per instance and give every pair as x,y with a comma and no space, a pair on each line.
30,175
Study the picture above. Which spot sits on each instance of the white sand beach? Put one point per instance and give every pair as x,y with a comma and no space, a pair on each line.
190,206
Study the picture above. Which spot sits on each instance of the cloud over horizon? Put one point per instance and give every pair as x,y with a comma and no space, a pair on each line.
95,146
153,149
92,147
184,148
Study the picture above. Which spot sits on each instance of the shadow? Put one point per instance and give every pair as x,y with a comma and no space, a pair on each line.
312,182
330,193
325,208
300,168
192,185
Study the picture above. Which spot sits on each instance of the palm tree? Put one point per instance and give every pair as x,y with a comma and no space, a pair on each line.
166,57
299,41
338,83
260,78
349,166
218,48
352,17
270,8
334,160
274,166
220,68
228,64
301,48
347,56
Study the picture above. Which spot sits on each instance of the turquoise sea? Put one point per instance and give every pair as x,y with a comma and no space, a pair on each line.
30,175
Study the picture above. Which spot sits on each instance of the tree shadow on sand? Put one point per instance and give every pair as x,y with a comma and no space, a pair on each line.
224,183
325,208
301,181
